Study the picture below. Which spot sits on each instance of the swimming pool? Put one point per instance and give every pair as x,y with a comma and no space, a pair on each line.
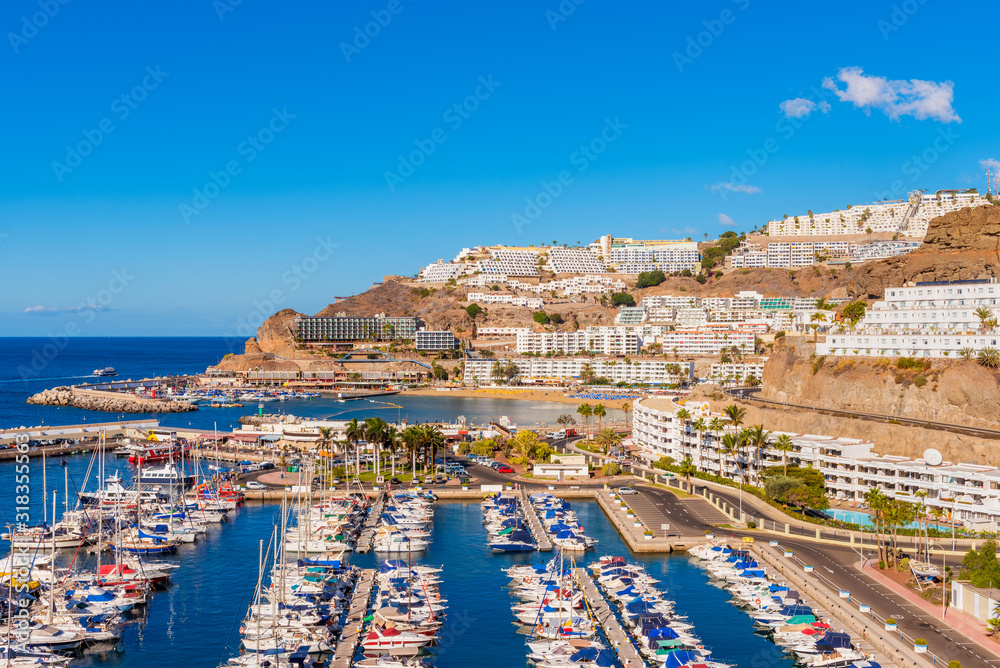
864,519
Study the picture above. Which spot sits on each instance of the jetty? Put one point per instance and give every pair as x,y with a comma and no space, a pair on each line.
619,640
371,525
350,637
542,542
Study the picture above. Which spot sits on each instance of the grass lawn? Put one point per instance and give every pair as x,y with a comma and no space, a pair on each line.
590,447
369,476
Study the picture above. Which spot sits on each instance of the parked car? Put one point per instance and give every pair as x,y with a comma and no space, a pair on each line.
264,466
626,490
395,481
505,469
253,484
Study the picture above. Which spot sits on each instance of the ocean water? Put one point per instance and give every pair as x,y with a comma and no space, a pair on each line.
30,365
195,621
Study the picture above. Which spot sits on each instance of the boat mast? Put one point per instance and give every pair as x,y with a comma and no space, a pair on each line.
45,491
52,564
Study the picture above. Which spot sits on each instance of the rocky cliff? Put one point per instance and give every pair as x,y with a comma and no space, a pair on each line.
952,391
110,402
959,246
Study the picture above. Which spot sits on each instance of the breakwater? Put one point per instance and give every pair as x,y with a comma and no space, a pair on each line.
107,402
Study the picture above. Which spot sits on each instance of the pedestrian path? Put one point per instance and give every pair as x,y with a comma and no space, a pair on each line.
351,636
538,532
605,616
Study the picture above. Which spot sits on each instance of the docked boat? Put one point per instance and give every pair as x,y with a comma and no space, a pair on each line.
157,451
168,475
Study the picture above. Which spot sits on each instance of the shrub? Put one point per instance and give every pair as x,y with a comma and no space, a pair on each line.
610,469
751,525
556,319
701,279
473,310
622,299
648,279
541,318
920,380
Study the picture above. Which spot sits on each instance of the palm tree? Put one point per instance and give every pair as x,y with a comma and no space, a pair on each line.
687,469
375,430
626,408
731,444
391,442
784,445
600,412
967,353
718,426
683,415
410,439
818,318
356,432
985,317
585,411
757,437
735,414
989,357
700,427
607,439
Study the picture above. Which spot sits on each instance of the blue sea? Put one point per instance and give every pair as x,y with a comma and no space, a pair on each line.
30,365
195,622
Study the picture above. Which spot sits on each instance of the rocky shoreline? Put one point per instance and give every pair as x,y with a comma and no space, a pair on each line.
108,402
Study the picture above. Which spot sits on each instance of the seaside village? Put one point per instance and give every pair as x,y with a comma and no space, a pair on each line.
650,388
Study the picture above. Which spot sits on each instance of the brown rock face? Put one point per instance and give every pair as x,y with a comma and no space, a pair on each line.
251,347
952,391
277,334
959,246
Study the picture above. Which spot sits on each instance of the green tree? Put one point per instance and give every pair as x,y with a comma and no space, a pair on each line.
474,310
687,469
622,299
541,318
700,427
735,414
600,412
607,439
784,445
853,313
585,410
732,446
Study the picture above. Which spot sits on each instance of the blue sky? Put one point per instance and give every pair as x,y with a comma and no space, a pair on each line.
303,124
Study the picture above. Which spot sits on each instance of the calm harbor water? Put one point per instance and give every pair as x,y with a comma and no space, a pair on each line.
28,366
195,622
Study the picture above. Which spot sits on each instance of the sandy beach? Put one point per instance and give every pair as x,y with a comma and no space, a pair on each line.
553,395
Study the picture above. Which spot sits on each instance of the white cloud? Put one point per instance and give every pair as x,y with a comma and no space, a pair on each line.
990,163
726,220
797,107
735,188
896,97
40,309
69,309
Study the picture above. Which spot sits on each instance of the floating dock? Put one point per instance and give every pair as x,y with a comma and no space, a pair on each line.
538,532
619,640
350,637
371,525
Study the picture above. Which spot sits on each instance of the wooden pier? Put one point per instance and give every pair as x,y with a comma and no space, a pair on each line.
538,532
370,526
352,634
620,641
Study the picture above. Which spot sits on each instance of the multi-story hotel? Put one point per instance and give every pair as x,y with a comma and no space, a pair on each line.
924,320
435,340
344,328
603,340
634,256
967,492
541,370
499,298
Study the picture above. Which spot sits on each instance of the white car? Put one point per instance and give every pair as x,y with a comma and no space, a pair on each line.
626,490
253,484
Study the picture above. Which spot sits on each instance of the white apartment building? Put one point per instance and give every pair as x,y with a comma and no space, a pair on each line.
701,343
966,492
879,250
499,332
923,320
691,318
733,373
932,205
484,280
669,301
631,254
574,261
539,370
603,340
717,303
500,298
878,217
661,314
510,262
631,315
442,271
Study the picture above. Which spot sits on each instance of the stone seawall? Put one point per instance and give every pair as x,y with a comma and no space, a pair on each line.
109,402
